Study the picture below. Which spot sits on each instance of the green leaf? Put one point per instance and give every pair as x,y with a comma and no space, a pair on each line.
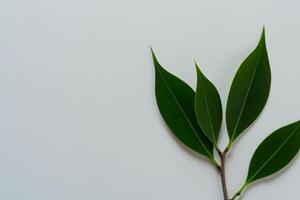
175,101
208,107
275,152
249,91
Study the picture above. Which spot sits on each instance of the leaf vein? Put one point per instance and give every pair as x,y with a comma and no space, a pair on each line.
247,93
184,114
208,112
274,154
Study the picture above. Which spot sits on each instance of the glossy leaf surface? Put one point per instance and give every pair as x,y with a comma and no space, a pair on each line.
275,152
249,91
175,101
208,107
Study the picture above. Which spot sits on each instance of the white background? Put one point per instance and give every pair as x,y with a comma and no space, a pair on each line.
78,116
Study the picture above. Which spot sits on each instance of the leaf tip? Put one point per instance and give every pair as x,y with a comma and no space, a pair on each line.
197,67
156,63
263,35
152,52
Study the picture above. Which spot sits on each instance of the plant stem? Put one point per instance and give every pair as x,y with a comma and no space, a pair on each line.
222,173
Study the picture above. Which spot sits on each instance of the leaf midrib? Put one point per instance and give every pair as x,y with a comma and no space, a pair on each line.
247,93
208,111
274,154
185,116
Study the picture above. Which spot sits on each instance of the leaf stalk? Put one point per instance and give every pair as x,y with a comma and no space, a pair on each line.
238,193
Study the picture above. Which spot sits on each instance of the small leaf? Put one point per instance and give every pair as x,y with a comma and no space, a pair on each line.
275,152
208,107
249,91
175,101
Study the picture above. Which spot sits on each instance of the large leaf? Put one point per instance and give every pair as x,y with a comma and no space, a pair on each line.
275,152
249,91
175,101
208,107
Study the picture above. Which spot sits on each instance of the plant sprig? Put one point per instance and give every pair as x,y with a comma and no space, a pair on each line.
195,118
